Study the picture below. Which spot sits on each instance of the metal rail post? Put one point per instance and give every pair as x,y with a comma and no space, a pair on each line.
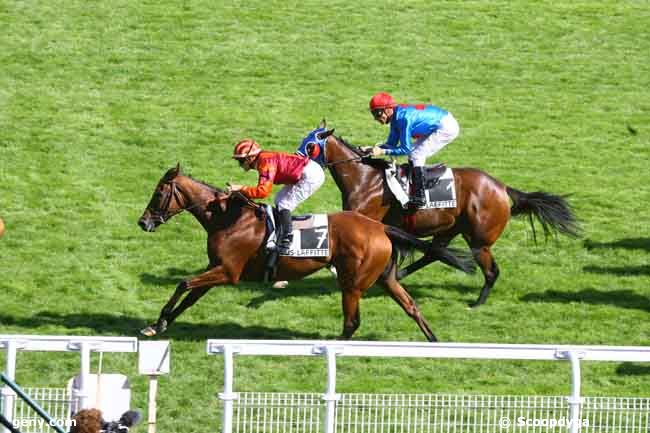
574,400
8,395
330,397
227,396
83,393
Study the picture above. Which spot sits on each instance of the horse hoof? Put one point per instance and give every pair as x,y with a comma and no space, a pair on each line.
280,284
149,331
473,305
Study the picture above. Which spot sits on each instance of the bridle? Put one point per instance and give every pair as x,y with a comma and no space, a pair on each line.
163,214
343,161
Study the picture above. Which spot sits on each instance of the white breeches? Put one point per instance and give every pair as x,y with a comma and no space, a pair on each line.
290,196
426,146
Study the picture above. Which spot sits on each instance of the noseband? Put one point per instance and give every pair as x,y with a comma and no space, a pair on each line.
162,214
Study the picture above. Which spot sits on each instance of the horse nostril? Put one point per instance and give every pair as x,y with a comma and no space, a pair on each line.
142,224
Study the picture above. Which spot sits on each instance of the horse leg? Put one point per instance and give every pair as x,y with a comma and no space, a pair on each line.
187,302
161,324
351,315
423,261
485,260
197,286
401,296
415,266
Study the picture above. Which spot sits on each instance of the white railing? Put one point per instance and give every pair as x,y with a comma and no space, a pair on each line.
331,350
57,402
13,344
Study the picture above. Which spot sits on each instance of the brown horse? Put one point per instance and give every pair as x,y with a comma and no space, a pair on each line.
363,250
482,211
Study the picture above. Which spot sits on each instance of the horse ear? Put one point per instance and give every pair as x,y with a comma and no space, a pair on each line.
323,124
325,134
178,168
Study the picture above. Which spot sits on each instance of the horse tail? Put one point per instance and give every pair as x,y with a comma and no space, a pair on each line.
553,212
404,245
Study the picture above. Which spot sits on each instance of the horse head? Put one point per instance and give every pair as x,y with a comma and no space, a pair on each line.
176,192
359,177
314,144
165,201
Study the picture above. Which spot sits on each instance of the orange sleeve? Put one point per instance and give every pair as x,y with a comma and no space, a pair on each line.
264,184
262,190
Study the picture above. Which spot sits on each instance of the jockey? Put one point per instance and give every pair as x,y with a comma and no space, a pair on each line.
300,176
420,130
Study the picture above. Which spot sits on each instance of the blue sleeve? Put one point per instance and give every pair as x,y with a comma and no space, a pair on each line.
391,141
405,140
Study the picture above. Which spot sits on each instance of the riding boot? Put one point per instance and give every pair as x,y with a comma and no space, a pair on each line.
418,198
286,231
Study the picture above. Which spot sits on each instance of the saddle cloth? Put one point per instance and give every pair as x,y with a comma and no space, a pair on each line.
441,195
310,235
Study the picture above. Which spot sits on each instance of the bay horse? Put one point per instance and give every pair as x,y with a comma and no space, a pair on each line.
363,250
482,210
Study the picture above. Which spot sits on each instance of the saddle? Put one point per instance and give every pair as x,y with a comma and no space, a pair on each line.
431,171
310,238
439,185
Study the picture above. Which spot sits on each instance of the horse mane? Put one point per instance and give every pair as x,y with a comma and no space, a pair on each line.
214,189
378,163
355,149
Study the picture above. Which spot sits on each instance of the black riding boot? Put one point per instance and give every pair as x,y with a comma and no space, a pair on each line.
418,199
286,230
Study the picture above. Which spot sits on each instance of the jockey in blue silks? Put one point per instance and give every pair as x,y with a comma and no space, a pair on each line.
418,131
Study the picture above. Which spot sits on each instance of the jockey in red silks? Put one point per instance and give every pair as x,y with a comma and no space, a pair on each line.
418,131
300,176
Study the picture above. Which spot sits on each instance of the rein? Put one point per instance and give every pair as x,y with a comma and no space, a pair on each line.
166,214
342,161
247,200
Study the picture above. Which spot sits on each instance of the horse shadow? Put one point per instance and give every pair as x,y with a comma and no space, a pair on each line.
632,369
103,323
627,243
620,298
623,271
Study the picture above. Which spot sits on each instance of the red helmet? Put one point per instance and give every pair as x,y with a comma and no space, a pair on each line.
381,100
246,147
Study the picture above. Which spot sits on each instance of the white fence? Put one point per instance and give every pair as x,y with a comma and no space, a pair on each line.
332,412
54,399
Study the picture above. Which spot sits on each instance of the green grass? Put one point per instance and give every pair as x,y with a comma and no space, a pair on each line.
98,99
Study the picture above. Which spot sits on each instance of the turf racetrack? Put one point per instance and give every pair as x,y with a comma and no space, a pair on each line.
98,99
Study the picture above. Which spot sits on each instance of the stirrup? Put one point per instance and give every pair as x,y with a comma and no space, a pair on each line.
284,246
417,202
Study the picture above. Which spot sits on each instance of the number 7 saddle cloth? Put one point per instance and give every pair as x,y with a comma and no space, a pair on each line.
310,235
